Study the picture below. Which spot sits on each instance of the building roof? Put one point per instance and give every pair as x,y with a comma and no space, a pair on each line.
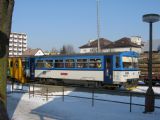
121,43
31,52
94,43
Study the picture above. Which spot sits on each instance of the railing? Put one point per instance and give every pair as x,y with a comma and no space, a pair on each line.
45,92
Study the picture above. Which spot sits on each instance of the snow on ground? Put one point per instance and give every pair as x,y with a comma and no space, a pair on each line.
21,107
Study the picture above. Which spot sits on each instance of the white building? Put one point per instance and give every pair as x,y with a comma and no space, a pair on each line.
17,44
124,44
91,46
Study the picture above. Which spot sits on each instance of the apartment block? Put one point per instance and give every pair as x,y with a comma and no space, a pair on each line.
17,44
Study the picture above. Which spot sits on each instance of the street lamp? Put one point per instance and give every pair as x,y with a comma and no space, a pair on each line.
150,98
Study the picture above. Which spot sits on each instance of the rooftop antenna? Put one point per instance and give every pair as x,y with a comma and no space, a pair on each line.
98,26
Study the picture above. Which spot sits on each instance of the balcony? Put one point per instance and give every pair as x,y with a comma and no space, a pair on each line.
10,44
20,40
10,53
20,45
15,40
25,41
19,49
20,36
24,45
11,39
15,53
11,35
10,48
24,37
15,45
15,36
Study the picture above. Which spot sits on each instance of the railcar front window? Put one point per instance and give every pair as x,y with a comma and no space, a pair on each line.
69,63
95,63
59,64
127,62
82,63
130,62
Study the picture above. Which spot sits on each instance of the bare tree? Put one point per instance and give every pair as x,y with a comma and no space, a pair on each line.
53,51
67,49
6,10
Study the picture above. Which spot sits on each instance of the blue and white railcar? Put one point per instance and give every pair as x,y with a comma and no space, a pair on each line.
110,68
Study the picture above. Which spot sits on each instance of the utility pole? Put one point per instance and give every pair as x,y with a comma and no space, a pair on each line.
98,28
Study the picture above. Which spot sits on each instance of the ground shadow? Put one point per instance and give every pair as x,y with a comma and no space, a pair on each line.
13,98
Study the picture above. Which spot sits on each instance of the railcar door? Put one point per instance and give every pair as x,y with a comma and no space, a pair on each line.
32,68
108,69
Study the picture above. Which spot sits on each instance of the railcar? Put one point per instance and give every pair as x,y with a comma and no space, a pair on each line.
16,69
101,68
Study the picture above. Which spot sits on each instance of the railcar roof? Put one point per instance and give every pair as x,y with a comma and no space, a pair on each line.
85,54
78,54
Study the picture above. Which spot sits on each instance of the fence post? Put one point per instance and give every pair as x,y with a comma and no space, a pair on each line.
92,97
63,93
47,93
33,90
130,101
29,90
12,86
42,86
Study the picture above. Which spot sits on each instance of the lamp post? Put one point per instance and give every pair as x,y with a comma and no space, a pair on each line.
150,98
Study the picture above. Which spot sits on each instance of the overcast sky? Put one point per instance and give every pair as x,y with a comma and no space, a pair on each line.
53,23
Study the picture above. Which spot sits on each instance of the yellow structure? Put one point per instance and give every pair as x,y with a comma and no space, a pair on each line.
16,69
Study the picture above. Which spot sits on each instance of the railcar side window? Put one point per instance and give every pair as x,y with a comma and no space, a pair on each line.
70,63
117,62
95,63
40,64
59,64
49,64
82,63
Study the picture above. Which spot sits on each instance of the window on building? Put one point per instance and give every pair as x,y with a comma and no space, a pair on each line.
82,63
59,63
70,63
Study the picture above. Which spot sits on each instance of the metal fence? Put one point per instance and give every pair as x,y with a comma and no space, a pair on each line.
45,90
